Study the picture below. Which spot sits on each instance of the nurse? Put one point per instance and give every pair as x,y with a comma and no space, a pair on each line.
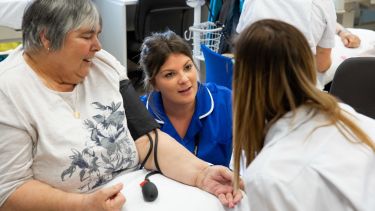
197,115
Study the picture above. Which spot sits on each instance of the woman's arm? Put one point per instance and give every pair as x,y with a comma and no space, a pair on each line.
179,164
323,58
35,195
175,161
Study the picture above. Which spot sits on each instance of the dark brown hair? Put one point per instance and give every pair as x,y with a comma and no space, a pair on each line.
155,51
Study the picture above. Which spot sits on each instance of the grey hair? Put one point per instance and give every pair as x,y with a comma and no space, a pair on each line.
55,18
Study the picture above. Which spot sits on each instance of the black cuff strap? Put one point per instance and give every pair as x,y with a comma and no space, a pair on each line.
140,121
148,153
156,152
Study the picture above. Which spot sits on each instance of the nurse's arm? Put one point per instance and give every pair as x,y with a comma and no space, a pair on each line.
323,58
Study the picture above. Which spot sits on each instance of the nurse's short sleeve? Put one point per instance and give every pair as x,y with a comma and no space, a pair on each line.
329,15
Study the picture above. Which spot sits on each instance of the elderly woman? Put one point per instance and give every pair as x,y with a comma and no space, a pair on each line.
64,132
304,150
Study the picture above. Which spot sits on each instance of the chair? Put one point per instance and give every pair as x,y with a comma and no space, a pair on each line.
219,68
156,16
354,84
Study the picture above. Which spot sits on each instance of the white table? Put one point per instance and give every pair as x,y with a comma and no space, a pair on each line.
117,16
172,195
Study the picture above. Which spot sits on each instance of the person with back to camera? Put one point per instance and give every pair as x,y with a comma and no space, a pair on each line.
64,130
197,115
304,150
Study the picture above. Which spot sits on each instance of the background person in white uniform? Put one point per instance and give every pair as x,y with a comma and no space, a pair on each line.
315,18
304,150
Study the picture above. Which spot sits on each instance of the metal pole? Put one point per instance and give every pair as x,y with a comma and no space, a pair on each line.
196,4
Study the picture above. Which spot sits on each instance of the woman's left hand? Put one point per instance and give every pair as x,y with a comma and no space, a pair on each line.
218,180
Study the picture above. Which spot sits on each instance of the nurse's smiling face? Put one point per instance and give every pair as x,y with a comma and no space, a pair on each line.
177,80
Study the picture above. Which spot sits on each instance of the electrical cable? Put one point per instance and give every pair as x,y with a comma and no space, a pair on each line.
156,151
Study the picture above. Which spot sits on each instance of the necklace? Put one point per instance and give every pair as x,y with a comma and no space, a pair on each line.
76,112
71,100
47,82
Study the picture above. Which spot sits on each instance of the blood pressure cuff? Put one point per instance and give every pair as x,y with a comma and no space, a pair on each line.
140,121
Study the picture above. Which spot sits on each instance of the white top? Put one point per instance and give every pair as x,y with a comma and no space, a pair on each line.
42,139
316,19
305,167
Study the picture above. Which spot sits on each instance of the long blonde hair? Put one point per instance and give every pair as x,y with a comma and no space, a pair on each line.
275,73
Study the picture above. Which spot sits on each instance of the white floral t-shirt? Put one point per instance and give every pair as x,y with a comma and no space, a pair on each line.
43,137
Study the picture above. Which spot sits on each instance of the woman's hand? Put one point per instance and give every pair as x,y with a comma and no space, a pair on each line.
105,199
350,40
218,180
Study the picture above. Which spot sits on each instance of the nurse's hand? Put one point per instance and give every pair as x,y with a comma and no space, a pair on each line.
218,180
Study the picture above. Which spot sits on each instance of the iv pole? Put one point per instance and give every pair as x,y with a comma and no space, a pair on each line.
196,4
